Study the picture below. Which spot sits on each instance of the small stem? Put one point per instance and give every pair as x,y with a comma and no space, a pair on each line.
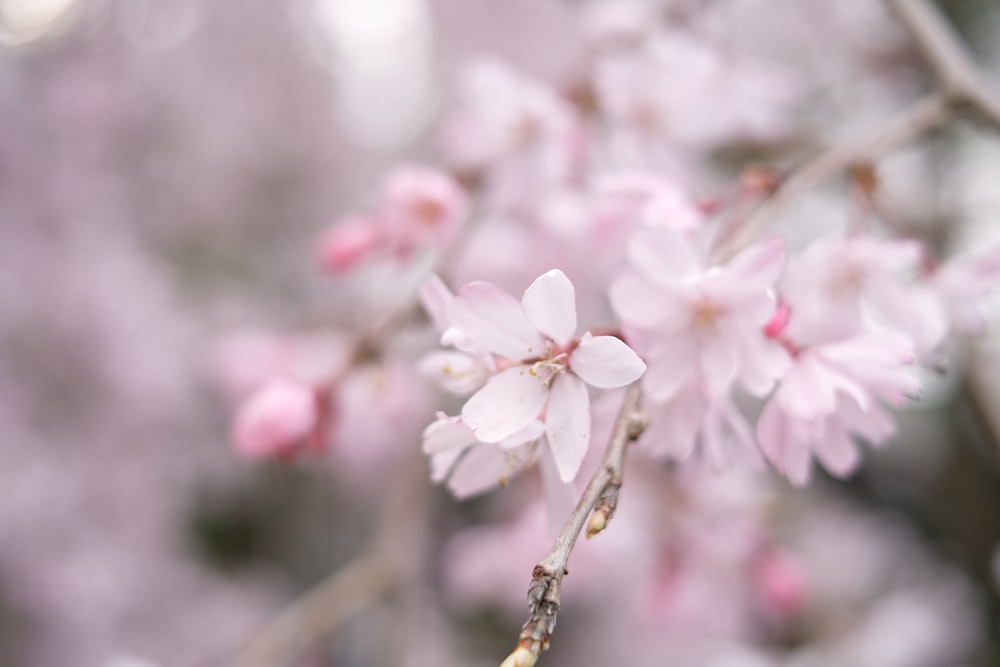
911,123
957,75
601,495
300,625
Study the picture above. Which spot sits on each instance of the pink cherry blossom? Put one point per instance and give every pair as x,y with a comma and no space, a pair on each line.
541,367
700,324
831,393
349,242
841,287
961,283
421,207
277,419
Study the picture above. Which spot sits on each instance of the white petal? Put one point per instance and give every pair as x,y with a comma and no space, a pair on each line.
606,362
529,433
442,464
510,400
495,319
445,434
550,305
455,372
567,424
481,469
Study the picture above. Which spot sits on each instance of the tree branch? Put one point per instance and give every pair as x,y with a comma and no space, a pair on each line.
310,618
956,73
598,502
913,122
960,82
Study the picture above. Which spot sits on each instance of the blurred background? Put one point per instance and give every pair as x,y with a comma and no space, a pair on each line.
165,170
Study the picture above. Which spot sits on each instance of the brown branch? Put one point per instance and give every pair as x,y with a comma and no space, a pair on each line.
393,558
598,502
960,82
913,122
310,618
956,73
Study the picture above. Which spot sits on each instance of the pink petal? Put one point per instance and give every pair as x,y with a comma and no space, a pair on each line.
567,424
672,363
481,469
550,305
662,255
276,418
836,451
759,265
436,298
494,318
719,362
446,433
637,302
672,431
606,362
509,402
533,431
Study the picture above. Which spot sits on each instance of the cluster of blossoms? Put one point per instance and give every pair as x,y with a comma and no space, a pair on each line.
587,197
825,336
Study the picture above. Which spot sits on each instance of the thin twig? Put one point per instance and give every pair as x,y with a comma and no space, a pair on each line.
956,73
313,616
913,122
960,82
598,502
393,558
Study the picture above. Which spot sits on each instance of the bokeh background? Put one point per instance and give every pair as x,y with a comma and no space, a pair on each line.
165,170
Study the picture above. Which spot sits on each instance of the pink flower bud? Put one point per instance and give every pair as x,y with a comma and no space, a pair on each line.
781,583
276,419
348,242
422,206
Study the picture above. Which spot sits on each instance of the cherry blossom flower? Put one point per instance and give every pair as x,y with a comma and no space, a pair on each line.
277,419
841,287
698,324
421,207
961,283
831,393
540,367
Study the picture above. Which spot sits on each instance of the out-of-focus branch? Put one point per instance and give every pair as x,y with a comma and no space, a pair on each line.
598,502
909,124
956,73
307,620
960,83
395,554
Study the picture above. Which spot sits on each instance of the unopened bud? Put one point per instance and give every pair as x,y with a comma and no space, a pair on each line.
521,657
598,522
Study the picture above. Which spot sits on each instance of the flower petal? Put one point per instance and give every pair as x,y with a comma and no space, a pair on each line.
446,433
759,265
605,362
550,305
481,469
637,302
495,319
509,402
662,255
567,424
455,372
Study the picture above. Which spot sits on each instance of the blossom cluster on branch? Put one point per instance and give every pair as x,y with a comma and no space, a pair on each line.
601,199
